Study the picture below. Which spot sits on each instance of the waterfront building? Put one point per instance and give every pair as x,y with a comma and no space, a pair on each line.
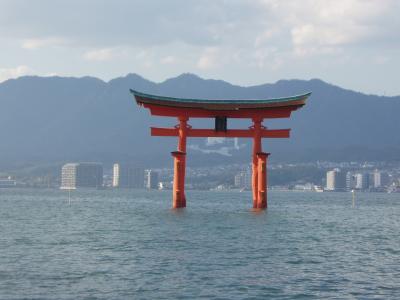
127,176
362,181
243,179
304,187
330,180
350,181
380,179
7,183
165,185
238,181
151,179
335,180
371,180
75,175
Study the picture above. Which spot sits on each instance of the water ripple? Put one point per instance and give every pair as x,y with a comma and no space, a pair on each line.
129,244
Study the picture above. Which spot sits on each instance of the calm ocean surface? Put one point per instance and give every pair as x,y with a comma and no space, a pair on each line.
130,245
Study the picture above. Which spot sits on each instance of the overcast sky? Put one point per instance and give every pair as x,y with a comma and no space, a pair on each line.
351,43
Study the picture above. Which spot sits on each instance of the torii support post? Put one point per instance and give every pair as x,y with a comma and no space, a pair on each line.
178,194
262,201
179,198
257,148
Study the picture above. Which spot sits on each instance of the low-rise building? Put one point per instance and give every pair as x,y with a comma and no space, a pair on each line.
7,183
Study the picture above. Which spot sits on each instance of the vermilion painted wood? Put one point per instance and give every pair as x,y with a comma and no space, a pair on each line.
271,113
262,181
230,133
178,192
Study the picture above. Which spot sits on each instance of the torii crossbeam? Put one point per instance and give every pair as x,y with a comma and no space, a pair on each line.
257,110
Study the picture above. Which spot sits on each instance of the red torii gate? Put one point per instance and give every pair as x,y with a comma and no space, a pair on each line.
256,110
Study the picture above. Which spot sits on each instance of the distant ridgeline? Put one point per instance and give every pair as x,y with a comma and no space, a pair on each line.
55,119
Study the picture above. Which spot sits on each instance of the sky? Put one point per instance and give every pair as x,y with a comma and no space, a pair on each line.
351,43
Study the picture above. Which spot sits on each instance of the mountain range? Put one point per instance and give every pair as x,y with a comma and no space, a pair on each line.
60,119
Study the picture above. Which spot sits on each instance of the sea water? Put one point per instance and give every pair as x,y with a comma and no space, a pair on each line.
130,245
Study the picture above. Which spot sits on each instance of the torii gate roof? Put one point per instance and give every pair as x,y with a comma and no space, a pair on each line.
265,108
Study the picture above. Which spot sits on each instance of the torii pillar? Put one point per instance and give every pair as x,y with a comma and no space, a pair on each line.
262,201
259,167
179,198
178,192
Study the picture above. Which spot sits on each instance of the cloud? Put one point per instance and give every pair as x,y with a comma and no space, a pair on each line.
168,60
209,59
51,74
318,38
268,57
100,54
8,73
323,27
245,42
33,44
265,37
381,60
209,25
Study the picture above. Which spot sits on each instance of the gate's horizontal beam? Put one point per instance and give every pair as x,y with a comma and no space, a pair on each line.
230,133
275,133
272,112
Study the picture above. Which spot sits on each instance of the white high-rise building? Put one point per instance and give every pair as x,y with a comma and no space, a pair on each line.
381,179
127,176
330,180
362,181
335,180
350,181
151,179
75,175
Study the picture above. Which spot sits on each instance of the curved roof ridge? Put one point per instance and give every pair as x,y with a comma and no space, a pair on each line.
220,101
